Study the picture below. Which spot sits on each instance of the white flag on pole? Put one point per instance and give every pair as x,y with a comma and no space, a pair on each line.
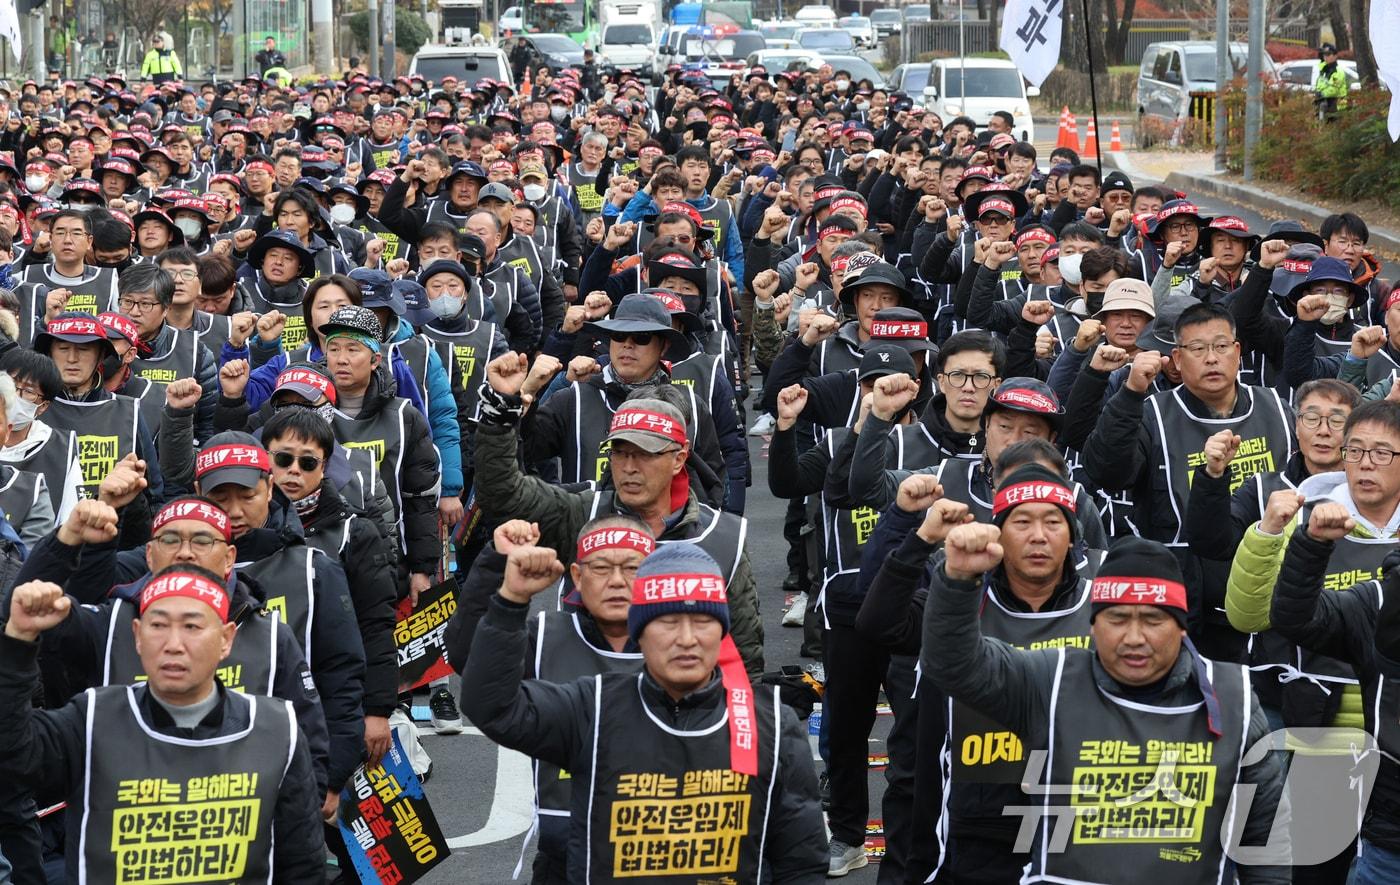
9,27
1030,34
1385,22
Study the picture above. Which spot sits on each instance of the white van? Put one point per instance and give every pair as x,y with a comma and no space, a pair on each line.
983,87
467,63
816,16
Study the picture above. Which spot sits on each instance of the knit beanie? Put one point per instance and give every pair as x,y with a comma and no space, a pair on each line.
1034,484
1136,571
677,578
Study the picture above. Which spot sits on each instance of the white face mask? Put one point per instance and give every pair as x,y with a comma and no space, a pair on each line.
1069,268
22,413
843,85
1337,306
534,192
558,112
862,105
190,227
446,307
342,213
36,183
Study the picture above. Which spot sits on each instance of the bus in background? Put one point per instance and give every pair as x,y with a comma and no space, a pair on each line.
576,18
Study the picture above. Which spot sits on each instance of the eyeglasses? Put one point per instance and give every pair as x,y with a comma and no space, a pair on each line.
617,454
641,339
199,543
1197,349
129,306
187,275
1313,419
285,460
603,570
32,394
1181,227
1379,457
959,378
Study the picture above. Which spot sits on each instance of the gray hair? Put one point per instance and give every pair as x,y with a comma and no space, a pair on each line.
597,138
141,278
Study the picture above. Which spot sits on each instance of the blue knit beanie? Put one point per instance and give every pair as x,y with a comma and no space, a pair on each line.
677,577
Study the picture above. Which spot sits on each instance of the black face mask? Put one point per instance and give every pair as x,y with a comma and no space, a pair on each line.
119,265
110,367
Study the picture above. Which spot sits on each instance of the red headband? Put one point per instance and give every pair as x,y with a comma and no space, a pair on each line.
648,422
839,265
233,455
996,205
1392,299
650,151
1037,402
673,303
189,586
199,511
1137,591
1032,493
1036,235
679,588
614,539
76,326
832,230
827,192
258,164
1297,265
850,203
309,378
898,329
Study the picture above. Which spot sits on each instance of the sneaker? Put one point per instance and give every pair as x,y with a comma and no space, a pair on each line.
796,612
763,426
447,719
844,858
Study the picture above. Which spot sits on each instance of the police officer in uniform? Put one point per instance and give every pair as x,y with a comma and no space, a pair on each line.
236,763
1104,714
688,729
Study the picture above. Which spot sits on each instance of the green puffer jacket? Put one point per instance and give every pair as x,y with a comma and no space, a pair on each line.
505,492
1249,591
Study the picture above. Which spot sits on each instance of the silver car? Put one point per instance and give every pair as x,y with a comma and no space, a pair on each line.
1171,72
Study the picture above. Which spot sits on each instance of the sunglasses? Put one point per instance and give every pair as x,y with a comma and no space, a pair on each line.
285,460
641,339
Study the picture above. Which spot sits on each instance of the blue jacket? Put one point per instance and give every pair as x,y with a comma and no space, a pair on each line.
733,246
441,415
263,379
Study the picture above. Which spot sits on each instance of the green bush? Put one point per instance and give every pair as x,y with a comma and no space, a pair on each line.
1349,158
410,31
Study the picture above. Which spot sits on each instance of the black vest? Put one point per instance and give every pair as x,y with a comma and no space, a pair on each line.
844,533
440,210
586,193
294,332
288,577
586,459
52,461
982,750
213,331
394,246
1115,748
383,436
663,804
157,807
19,489
464,355
1179,439
93,295
106,432
250,666
563,655
717,219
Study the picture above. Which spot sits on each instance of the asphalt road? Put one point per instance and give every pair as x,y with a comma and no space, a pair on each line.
482,794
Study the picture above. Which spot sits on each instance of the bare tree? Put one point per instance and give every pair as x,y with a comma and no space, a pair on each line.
1361,42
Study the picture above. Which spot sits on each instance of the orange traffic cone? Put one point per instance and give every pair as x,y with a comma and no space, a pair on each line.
1062,135
1072,134
1091,140
1115,139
